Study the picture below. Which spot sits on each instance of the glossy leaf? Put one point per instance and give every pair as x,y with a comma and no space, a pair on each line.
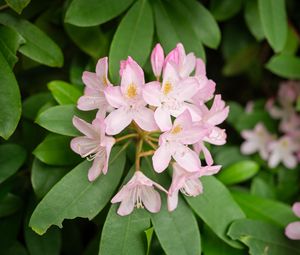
149,235
216,208
9,204
12,157
274,22
63,92
229,155
259,187
87,13
124,234
10,104
238,172
44,177
225,9
58,119
285,66
252,18
17,5
74,196
292,42
262,238
264,209
56,150
38,46
133,37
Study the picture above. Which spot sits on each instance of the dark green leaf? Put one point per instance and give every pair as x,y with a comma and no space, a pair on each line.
56,150
17,5
285,66
87,13
292,42
16,248
263,238
229,155
133,37
63,92
44,177
12,157
216,208
274,22
149,235
260,188
9,205
74,196
225,9
252,19
38,46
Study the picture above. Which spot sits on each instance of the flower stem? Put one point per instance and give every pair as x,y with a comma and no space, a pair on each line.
122,138
146,153
152,139
154,146
139,147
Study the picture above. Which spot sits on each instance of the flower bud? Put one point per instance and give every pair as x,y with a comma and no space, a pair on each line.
157,60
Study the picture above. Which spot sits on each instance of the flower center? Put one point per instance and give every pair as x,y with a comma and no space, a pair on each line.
177,129
167,88
131,91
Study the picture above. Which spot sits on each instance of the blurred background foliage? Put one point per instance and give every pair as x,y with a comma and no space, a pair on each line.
249,47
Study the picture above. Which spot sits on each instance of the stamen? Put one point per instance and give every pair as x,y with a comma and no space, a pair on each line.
138,198
167,88
131,91
177,129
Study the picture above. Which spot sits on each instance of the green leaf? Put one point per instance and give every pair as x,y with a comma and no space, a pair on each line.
274,22
252,19
216,208
225,9
173,26
58,119
236,110
74,196
262,238
124,234
63,92
38,46
264,209
56,150
87,13
260,187
9,204
16,248
10,42
9,229
12,157
238,172
44,177
17,5
204,24
292,42
133,37
228,155
149,235
97,43
285,66
10,102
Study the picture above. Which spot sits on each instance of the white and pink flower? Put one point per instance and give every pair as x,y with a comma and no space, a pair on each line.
292,230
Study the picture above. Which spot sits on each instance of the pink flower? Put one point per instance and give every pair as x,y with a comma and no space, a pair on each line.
187,182
257,140
288,92
170,98
129,102
94,145
292,230
139,192
173,144
157,60
96,83
283,150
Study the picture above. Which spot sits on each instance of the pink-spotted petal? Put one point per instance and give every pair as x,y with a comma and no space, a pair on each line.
117,120
163,119
151,199
152,93
161,158
114,96
144,117
292,231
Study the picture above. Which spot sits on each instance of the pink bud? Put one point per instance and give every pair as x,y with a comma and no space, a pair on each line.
124,63
157,59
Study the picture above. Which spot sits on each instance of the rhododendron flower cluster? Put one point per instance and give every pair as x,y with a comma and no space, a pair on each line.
168,115
285,149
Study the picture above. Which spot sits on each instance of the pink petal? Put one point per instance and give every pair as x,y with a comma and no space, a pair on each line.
109,141
152,93
172,201
117,120
189,65
163,119
84,127
87,103
91,80
292,231
296,208
101,71
194,110
161,158
114,96
170,75
83,145
184,120
217,136
157,60
200,67
290,161
248,147
208,158
145,119
187,88
127,205
192,135
193,187
96,168
151,199
274,160
209,170
186,158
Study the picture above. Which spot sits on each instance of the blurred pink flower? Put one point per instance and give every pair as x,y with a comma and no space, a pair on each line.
187,182
157,60
292,230
94,145
139,192
257,140
288,92
129,102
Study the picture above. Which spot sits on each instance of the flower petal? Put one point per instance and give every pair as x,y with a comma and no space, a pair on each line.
151,199
292,231
186,158
96,168
157,60
114,96
91,80
152,93
132,75
127,205
161,158
200,67
248,147
163,119
173,200
85,127
84,145
144,117
188,65
296,208
109,143
87,103
290,161
117,120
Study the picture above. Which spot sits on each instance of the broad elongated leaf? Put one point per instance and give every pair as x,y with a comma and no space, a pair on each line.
124,234
264,209
252,19
10,102
63,92
38,46
17,5
12,157
263,238
133,37
87,13
74,196
9,204
216,208
274,22
260,187
55,150
58,119
225,9
286,66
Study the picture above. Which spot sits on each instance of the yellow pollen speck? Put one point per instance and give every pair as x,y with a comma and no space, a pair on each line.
131,91
177,129
167,88
104,81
